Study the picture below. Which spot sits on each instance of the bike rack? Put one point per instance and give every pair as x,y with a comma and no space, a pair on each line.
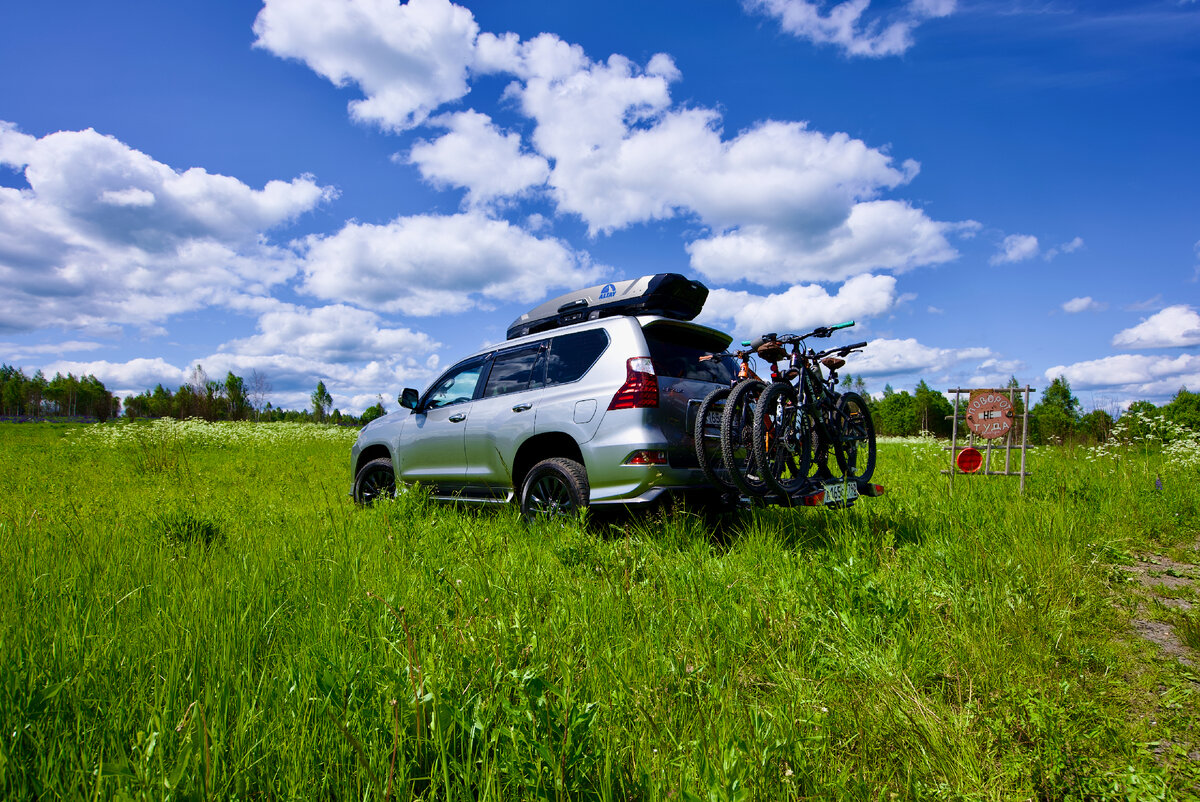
824,489
812,494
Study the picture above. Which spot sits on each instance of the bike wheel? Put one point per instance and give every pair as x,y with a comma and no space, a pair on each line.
737,436
706,434
855,447
781,449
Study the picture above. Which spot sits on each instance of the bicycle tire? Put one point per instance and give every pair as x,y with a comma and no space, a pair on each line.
782,451
855,449
706,435
737,434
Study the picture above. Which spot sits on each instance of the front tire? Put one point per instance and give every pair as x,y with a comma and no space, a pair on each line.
856,434
376,479
555,488
782,444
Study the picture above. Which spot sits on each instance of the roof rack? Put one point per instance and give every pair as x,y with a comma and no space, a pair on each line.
668,294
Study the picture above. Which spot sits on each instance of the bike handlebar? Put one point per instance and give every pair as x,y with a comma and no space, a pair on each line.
827,331
820,331
842,350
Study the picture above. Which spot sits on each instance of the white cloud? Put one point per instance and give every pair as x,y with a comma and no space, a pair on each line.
1146,305
332,334
995,372
1016,248
610,146
292,372
889,357
408,59
1083,304
800,308
1173,327
876,235
1066,247
124,378
105,234
848,26
430,264
622,154
128,197
476,155
1134,375
19,353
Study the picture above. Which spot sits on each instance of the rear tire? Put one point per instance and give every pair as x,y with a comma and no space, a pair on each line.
376,479
555,488
856,432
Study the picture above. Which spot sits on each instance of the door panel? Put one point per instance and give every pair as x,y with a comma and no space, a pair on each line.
432,449
503,418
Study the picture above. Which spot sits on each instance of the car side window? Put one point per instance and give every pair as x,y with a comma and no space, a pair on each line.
572,355
516,370
455,387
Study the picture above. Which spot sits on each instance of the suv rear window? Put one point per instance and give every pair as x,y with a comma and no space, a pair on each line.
676,352
572,355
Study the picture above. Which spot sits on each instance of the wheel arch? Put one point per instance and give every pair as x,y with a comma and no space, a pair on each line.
376,451
540,447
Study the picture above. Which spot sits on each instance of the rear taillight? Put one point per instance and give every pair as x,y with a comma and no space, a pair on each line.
813,499
640,389
646,458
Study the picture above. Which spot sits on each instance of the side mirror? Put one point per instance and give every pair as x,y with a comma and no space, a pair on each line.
408,398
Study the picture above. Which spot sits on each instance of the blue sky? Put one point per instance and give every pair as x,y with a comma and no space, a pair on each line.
361,192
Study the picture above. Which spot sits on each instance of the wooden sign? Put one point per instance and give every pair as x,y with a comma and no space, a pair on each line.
989,414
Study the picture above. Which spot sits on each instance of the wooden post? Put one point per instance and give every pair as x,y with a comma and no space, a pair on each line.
953,439
1024,437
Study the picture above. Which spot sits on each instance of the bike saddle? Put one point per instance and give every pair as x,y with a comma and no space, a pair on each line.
833,362
772,351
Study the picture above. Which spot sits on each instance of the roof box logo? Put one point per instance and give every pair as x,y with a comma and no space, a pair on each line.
609,291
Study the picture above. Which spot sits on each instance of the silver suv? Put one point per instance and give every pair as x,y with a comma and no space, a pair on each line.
591,413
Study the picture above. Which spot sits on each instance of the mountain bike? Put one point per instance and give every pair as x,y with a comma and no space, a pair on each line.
796,426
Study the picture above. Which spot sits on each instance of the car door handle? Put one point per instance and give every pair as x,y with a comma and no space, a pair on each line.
457,417
522,407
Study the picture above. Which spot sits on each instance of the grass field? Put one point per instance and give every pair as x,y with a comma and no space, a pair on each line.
198,611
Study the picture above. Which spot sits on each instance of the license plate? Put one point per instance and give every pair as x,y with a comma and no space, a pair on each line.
840,492
711,422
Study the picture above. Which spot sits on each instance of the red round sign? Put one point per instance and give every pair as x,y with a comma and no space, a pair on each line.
969,460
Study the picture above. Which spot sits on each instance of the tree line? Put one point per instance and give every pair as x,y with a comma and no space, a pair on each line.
67,396
235,398
1057,417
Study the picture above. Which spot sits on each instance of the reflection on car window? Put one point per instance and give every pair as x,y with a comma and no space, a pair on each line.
514,371
454,387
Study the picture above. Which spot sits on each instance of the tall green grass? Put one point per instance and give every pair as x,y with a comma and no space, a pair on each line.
202,613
